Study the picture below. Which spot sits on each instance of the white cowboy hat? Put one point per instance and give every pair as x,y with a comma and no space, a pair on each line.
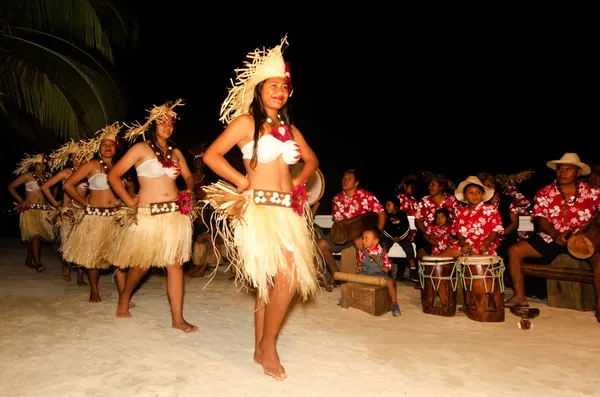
570,158
459,192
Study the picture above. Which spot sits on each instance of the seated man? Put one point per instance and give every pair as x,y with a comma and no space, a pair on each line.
561,209
350,202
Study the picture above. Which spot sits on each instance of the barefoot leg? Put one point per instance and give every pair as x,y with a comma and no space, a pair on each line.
175,290
132,279
259,322
29,259
80,281
280,297
94,277
66,271
120,277
36,251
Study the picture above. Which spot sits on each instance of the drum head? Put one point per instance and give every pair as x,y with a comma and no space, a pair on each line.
478,259
315,185
438,259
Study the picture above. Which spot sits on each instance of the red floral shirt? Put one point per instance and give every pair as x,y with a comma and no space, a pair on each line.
477,224
376,251
520,205
443,235
361,202
408,204
548,203
427,207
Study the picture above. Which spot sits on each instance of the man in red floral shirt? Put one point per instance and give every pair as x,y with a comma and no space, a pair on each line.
560,210
350,202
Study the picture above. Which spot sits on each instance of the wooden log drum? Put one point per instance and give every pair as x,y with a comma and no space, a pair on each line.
483,286
439,277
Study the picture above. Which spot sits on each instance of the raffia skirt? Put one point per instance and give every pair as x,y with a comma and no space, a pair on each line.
89,240
151,238
35,222
265,239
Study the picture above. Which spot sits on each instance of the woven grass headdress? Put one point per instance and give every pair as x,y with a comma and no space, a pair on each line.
261,65
92,146
158,114
24,165
60,156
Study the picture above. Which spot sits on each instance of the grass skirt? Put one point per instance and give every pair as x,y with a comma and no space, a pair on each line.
89,240
36,223
147,240
260,240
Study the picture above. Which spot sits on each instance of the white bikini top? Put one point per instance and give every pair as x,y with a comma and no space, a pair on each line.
32,186
152,168
98,181
269,148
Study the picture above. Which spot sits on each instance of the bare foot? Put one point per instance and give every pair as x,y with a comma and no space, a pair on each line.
123,309
196,272
29,265
40,268
81,282
270,363
95,297
184,326
66,273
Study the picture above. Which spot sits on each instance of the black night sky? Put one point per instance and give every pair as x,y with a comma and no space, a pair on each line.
386,96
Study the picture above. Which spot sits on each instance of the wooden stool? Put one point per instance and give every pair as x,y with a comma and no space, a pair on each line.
570,294
372,299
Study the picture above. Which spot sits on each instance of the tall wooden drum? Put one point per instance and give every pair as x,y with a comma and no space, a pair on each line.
439,277
483,286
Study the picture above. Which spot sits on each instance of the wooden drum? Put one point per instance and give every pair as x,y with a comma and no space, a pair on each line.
439,277
483,286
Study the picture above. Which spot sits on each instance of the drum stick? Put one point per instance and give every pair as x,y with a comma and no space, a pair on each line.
360,278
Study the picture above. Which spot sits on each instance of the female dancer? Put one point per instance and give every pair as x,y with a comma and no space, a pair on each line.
88,242
161,234
34,209
272,244
68,154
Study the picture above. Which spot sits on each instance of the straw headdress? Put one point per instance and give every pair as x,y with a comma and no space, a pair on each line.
24,165
261,65
92,146
429,176
158,114
60,156
513,179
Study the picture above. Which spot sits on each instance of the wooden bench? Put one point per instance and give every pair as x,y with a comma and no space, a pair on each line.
568,282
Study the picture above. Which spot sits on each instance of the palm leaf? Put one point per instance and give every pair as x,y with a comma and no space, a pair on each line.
32,75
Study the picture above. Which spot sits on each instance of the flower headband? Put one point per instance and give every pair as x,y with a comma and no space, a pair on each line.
262,64
60,156
158,114
24,165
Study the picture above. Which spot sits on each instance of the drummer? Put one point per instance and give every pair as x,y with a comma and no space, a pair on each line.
560,209
477,226
350,202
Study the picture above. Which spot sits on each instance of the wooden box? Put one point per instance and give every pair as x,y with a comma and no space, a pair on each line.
570,294
373,299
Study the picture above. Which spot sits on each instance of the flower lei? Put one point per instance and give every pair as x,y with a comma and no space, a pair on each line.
165,161
299,197
282,132
184,202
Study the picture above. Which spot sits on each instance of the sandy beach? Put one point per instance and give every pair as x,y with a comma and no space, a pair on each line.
55,343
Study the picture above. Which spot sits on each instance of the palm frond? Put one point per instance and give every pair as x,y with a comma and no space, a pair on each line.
91,89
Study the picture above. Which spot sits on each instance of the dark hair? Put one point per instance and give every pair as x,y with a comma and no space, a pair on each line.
376,232
151,134
354,173
444,211
394,200
257,110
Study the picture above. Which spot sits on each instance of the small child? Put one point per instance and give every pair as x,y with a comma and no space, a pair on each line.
441,231
373,261
397,230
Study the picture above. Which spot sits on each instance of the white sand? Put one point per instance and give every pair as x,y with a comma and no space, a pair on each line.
54,343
